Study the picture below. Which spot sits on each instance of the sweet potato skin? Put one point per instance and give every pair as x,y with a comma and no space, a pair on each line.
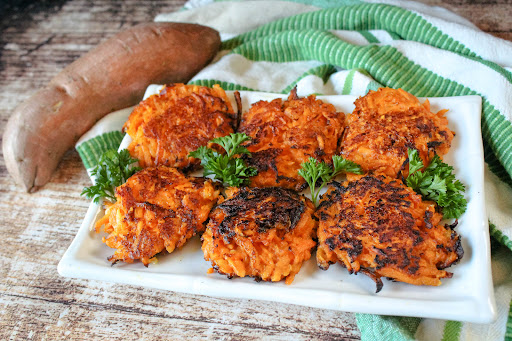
112,76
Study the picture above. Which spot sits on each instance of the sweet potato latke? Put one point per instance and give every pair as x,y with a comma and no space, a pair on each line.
157,208
285,134
165,128
382,228
265,233
385,123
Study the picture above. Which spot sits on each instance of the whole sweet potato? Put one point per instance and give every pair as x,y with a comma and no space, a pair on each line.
112,76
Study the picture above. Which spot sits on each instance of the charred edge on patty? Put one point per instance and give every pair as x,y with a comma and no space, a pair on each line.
432,145
375,278
286,209
359,188
452,225
238,101
293,94
265,160
458,249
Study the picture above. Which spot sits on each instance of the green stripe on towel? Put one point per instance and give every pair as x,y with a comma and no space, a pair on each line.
508,331
376,327
496,233
406,24
91,150
452,331
322,71
369,37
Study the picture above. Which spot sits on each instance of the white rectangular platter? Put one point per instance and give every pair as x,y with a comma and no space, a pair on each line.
468,296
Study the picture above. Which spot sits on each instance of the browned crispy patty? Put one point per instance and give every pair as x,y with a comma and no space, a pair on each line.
166,127
157,208
285,134
265,233
385,123
380,227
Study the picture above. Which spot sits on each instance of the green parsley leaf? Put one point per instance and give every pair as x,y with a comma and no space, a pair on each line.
112,170
313,170
231,144
437,183
415,162
343,165
230,170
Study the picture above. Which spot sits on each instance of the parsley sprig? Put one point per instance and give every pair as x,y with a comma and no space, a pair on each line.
113,169
227,168
437,183
313,170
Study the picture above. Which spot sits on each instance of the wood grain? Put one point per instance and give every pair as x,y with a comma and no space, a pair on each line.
37,40
491,16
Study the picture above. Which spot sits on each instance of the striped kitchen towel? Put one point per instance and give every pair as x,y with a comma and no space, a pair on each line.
349,47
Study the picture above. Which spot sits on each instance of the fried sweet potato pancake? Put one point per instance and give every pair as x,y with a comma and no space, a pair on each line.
382,228
385,123
166,127
157,208
285,134
265,233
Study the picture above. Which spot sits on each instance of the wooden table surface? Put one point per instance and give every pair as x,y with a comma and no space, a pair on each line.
36,41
